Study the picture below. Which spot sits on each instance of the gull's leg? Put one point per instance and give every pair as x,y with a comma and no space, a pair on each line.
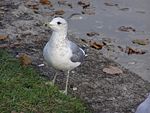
54,79
66,88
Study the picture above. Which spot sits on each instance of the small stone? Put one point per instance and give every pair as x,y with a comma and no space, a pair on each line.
132,63
74,88
72,72
41,65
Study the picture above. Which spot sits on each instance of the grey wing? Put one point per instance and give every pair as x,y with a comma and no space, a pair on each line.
77,53
144,107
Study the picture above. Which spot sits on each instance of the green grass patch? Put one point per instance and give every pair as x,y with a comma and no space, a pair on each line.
22,89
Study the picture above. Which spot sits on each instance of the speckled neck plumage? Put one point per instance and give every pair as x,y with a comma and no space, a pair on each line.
59,37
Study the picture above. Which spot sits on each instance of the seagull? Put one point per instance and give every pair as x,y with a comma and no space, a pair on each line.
61,53
144,107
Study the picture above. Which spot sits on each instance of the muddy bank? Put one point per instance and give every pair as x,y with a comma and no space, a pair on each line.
22,24
102,92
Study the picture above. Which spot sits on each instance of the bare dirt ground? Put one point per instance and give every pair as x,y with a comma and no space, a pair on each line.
22,22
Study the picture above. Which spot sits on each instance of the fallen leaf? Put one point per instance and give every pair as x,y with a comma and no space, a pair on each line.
86,6
126,29
3,37
65,3
96,45
59,12
35,7
110,4
93,44
112,70
84,3
25,59
130,50
62,2
124,9
46,2
88,11
141,41
90,34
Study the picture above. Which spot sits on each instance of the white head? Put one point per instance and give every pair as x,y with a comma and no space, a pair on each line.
58,24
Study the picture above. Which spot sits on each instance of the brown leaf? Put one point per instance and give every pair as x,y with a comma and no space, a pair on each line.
46,2
59,12
25,59
96,45
93,44
141,41
3,37
130,50
112,70
35,7
126,29
90,34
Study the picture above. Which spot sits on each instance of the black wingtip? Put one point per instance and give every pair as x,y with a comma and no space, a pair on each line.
85,49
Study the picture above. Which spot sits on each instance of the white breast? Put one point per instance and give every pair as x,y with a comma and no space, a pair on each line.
59,57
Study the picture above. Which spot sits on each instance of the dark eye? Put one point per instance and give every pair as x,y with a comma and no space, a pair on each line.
58,23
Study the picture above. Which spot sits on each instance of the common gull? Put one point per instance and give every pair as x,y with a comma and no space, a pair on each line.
61,53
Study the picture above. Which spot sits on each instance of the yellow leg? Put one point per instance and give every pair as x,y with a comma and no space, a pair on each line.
66,88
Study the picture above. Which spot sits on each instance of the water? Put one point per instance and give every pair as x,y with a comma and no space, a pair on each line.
107,20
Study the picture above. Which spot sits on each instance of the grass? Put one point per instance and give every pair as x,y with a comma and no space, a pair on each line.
22,89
